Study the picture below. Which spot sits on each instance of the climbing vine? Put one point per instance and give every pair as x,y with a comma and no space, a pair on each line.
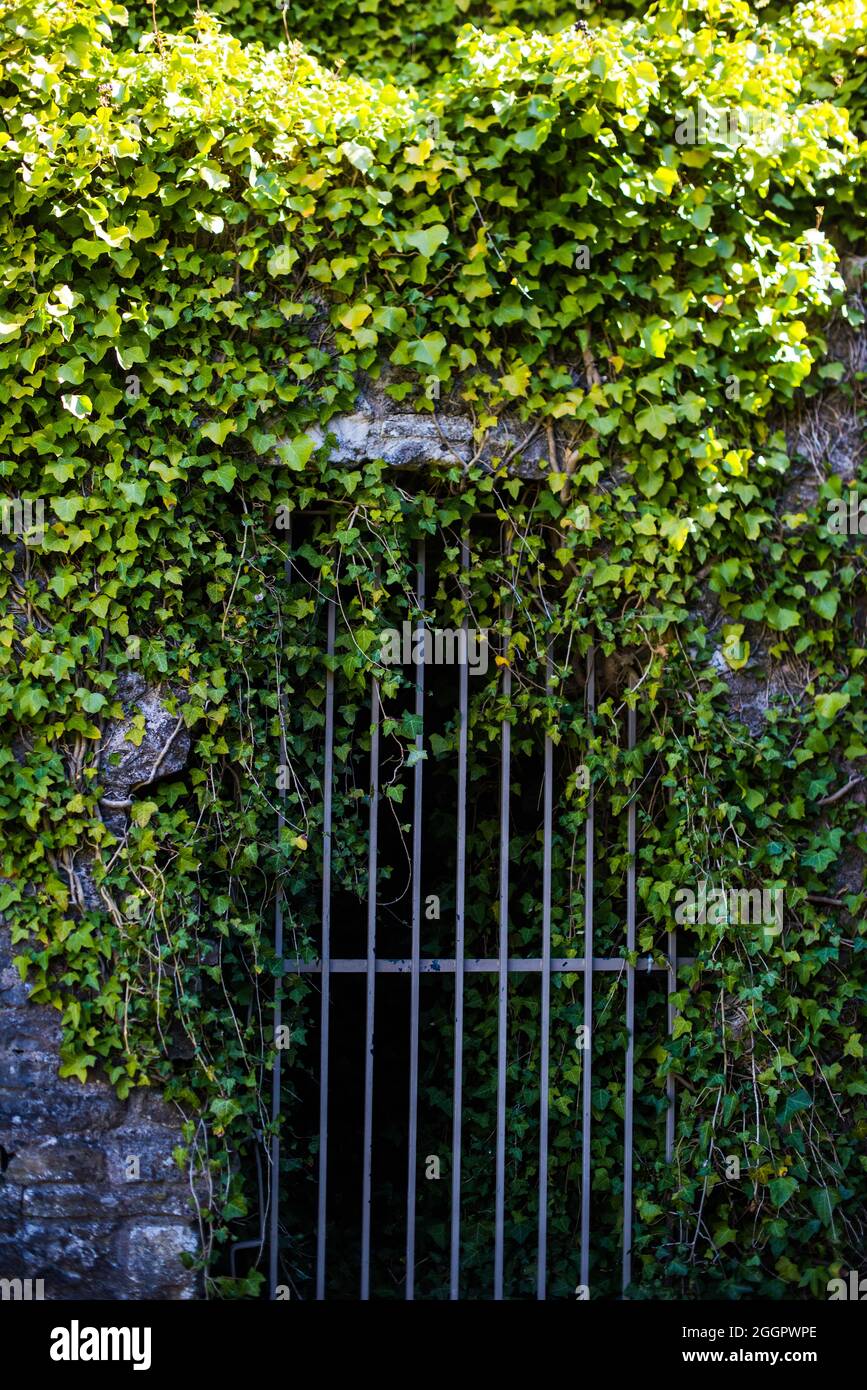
210,247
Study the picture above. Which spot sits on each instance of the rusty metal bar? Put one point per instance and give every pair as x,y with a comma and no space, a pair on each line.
372,875
416,928
587,1016
328,776
503,982
545,1037
460,892
628,1121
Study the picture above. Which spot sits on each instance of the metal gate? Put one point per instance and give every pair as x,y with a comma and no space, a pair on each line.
458,965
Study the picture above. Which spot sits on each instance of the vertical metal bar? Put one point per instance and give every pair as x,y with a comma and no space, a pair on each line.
421,654
588,996
545,1039
630,1016
274,1194
373,846
325,977
670,1013
460,890
503,980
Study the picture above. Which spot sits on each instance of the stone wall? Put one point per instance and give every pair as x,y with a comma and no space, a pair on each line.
91,1200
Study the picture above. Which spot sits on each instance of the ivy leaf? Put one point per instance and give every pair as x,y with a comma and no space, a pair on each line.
79,406
217,430
358,155
828,706
515,384
211,222
655,420
427,241
428,350
354,317
224,476
296,452
71,371
63,583
781,619
281,261
781,1189
798,1100
91,700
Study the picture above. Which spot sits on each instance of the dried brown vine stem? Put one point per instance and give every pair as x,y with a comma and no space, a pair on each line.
570,458
840,792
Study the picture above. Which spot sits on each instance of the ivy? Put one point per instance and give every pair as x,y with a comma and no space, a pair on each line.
209,247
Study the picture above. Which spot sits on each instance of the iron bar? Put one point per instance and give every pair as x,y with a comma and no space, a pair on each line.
460,891
518,965
372,876
328,776
631,848
587,1015
545,1037
503,981
276,1075
416,929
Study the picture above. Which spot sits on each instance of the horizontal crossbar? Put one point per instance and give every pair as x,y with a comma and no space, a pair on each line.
567,965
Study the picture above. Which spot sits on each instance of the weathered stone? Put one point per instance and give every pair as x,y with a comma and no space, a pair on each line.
75,1259
759,685
151,1253
151,1148
161,749
76,1202
10,1206
56,1162
35,1032
147,1107
57,1107
380,428
13,991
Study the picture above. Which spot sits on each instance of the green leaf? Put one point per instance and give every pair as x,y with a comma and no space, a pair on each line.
63,583
296,452
211,222
781,1189
428,350
91,700
79,406
655,420
428,240
71,371
828,706
781,619
217,430
281,261
224,476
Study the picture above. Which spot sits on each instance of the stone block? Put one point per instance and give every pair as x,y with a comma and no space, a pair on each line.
75,1259
53,1161
28,1029
47,1106
151,1252
153,1150
82,1202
